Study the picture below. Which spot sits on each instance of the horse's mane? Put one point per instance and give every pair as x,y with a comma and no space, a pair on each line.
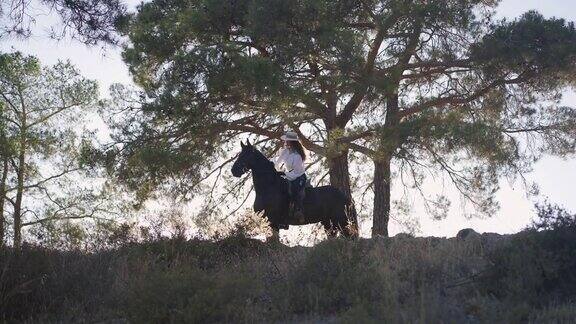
262,161
266,171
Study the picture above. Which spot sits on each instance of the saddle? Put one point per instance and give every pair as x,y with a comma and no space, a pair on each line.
297,198
307,186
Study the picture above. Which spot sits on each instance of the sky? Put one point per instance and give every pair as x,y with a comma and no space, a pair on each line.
554,176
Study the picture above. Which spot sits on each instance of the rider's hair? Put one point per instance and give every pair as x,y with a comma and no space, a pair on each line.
297,146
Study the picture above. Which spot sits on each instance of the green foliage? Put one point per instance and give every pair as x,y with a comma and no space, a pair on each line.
6,144
328,281
89,21
190,295
16,65
530,45
526,277
538,265
153,149
553,217
425,84
38,280
45,112
564,313
450,134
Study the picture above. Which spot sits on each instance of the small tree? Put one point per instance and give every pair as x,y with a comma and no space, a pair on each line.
43,113
6,154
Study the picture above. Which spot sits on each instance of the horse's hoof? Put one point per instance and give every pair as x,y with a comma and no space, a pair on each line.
299,216
273,241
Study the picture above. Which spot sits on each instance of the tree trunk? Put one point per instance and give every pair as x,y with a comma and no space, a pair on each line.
340,178
19,195
3,200
381,210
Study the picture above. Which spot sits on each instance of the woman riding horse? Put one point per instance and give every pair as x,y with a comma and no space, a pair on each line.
291,160
326,204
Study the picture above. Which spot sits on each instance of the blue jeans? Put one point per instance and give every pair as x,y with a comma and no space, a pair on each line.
296,190
297,185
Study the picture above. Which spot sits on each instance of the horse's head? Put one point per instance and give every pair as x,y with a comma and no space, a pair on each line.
245,160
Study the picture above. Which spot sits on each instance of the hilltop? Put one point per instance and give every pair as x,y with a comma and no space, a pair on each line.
529,276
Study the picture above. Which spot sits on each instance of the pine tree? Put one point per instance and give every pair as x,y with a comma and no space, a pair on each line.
42,141
89,21
421,84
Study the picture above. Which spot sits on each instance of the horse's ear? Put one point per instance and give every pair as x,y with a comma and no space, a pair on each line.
242,144
248,143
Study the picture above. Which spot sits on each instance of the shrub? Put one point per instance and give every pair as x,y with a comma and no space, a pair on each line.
539,264
334,276
564,313
54,284
528,277
384,280
189,295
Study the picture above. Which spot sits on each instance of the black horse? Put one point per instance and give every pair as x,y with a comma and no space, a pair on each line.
326,205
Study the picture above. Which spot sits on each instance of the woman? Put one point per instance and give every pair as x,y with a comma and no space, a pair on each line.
291,161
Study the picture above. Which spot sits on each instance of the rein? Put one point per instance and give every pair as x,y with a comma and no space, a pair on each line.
264,171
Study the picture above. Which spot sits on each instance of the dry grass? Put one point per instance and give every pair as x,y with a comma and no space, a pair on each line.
528,277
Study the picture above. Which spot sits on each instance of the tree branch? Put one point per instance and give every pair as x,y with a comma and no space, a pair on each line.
359,94
362,149
459,99
43,181
54,113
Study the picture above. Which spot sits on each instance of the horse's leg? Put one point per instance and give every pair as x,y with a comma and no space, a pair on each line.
275,238
341,222
330,230
347,229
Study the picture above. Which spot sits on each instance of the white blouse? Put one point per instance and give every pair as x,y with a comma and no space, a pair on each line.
291,162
